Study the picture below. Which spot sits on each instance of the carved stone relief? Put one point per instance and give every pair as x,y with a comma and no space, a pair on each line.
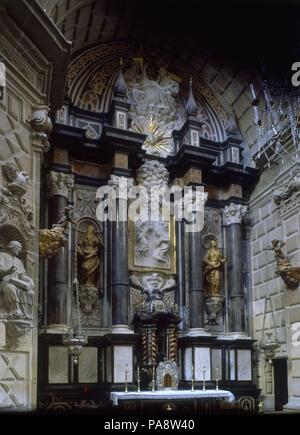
152,292
152,247
60,183
17,180
154,108
234,213
89,257
287,198
16,294
41,125
85,203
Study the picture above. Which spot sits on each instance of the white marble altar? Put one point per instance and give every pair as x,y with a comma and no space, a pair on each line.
171,395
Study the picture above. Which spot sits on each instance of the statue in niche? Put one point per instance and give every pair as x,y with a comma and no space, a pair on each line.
89,252
16,287
213,264
152,244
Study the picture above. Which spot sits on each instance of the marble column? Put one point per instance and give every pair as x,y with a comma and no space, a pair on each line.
180,297
59,295
233,217
196,299
196,284
119,261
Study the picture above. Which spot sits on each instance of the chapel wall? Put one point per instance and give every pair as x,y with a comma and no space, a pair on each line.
25,86
271,221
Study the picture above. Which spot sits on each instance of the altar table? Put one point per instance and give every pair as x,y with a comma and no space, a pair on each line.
172,395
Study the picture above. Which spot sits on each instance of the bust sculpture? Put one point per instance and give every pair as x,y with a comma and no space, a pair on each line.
16,287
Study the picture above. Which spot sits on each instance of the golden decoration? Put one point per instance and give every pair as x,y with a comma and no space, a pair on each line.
172,343
158,137
290,274
50,241
154,345
212,271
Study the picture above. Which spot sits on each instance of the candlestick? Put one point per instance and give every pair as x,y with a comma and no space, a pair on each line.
126,371
138,379
217,378
193,377
153,378
203,387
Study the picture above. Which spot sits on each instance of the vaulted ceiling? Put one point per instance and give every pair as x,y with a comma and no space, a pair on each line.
222,44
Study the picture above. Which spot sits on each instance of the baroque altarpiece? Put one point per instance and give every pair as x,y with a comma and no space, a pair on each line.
148,291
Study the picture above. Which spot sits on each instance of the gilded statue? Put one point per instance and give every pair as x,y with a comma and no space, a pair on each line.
213,264
290,274
50,241
16,287
89,253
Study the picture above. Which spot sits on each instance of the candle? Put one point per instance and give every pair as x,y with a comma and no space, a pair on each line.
153,378
193,377
126,372
217,378
204,369
138,379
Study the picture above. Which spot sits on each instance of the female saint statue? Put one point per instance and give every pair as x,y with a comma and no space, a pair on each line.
89,251
213,263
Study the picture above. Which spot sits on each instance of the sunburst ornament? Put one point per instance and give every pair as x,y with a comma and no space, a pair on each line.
159,141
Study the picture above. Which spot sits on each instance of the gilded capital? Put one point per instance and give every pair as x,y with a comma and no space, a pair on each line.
60,183
234,213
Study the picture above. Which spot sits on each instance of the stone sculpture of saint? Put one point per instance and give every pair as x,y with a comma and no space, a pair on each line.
16,287
213,264
89,252
153,292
